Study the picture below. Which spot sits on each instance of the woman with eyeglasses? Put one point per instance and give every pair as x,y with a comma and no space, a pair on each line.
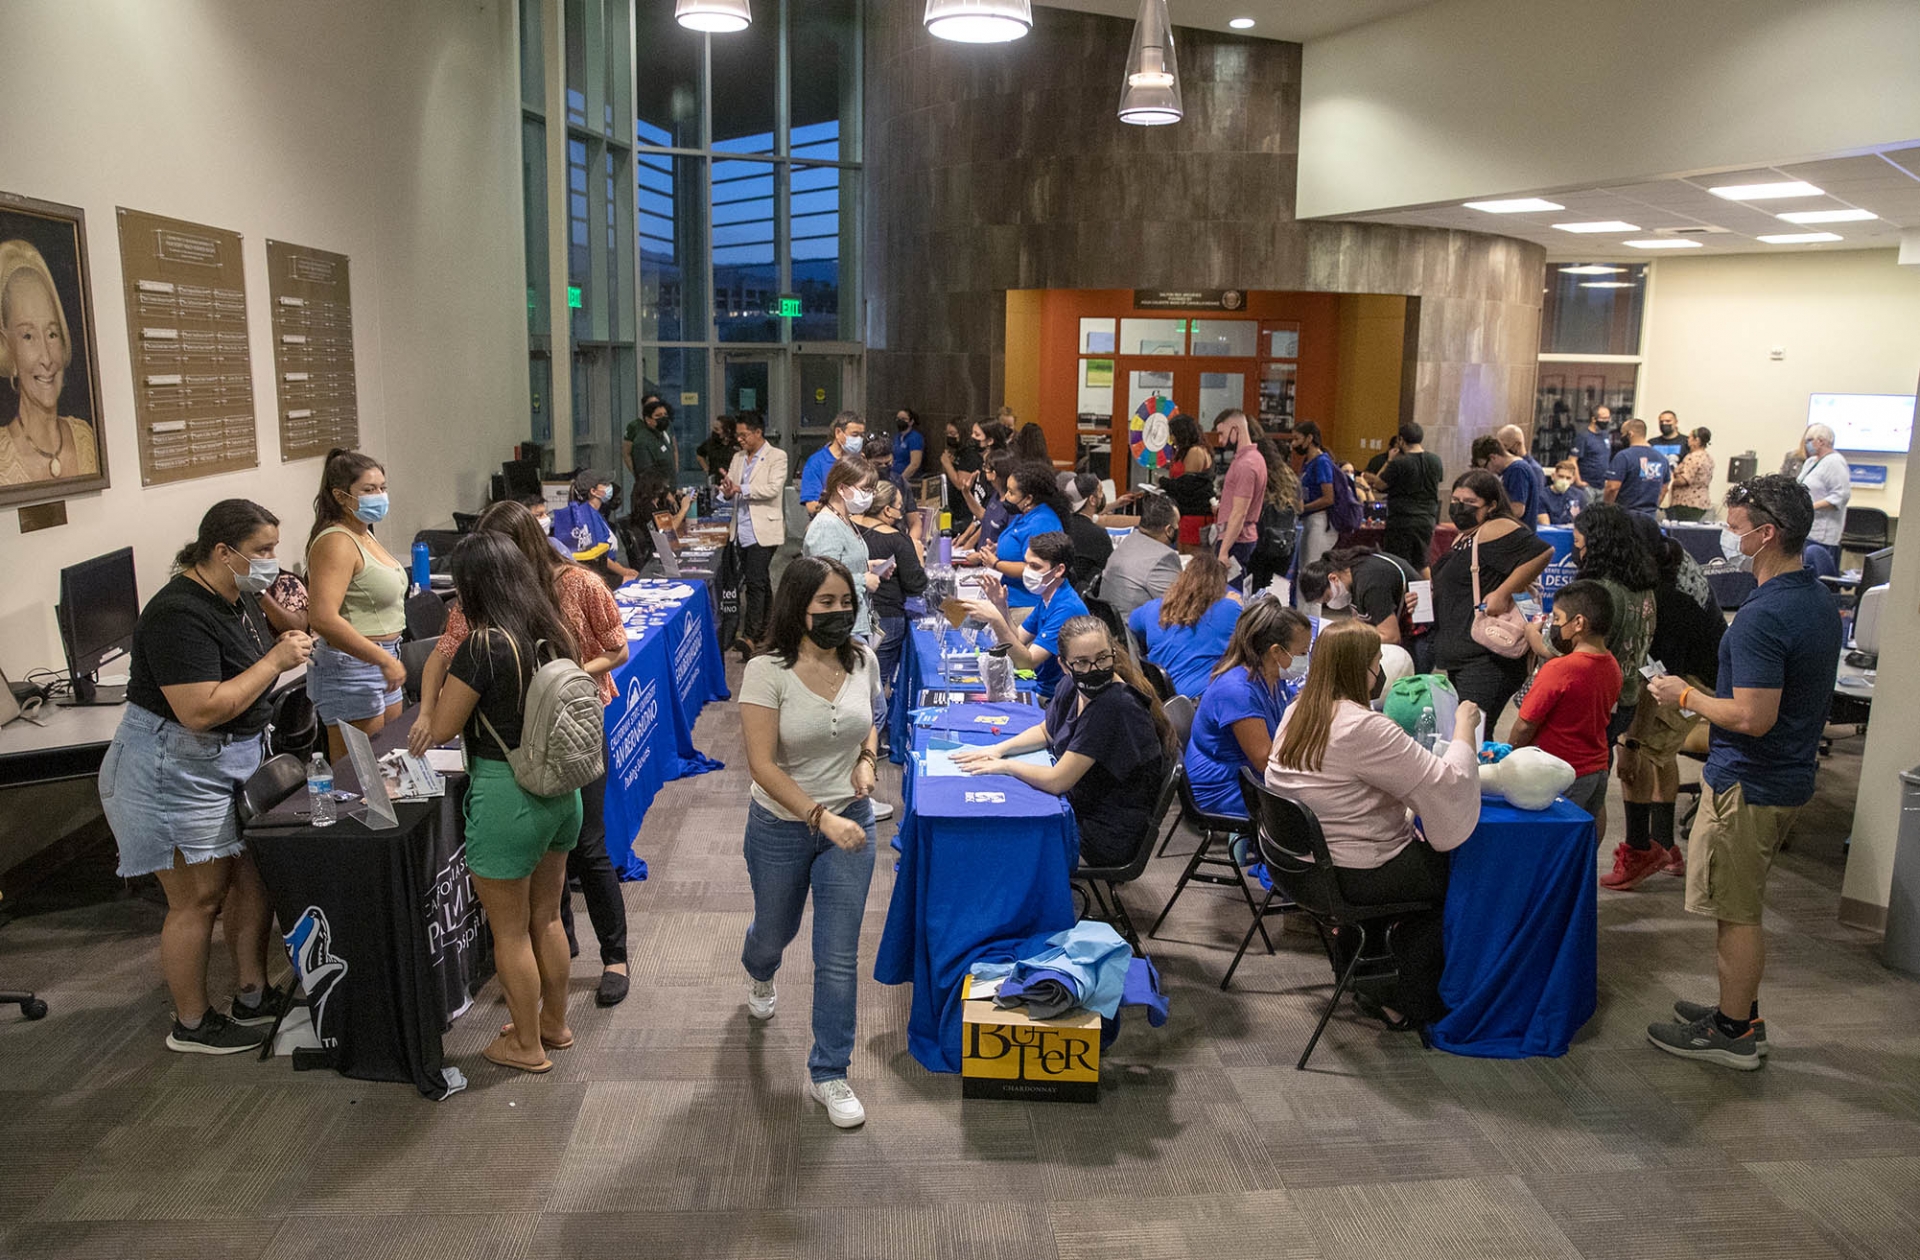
1110,742
1244,702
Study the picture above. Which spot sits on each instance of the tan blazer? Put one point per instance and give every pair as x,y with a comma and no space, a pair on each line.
762,494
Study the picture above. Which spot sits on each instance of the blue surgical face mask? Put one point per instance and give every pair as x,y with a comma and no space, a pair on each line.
853,442
259,576
371,508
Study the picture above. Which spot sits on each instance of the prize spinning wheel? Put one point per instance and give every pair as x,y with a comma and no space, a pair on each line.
1147,433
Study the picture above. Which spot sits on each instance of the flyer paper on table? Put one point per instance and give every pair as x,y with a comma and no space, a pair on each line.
1422,602
938,761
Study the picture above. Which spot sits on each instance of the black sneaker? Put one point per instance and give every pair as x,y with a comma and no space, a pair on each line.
1703,1039
1694,1012
216,1035
273,1000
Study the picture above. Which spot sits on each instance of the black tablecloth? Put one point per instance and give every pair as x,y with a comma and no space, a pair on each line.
383,927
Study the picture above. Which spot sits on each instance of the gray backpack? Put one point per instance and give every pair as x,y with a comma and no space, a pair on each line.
562,728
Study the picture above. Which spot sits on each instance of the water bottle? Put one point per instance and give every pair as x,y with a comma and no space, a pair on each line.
1424,732
422,566
320,791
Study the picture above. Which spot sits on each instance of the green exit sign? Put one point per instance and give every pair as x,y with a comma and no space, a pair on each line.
573,297
789,307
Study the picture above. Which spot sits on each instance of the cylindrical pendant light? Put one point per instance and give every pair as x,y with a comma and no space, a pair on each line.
979,21
721,17
1150,96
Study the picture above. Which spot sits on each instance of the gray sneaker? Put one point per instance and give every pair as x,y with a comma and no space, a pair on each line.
216,1035
1703,1039
1694,1012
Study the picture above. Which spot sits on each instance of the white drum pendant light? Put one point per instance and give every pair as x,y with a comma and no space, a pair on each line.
979,21
1150,97
721,17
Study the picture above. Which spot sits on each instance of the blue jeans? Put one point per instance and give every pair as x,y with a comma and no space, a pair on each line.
784,860
893,638
167,790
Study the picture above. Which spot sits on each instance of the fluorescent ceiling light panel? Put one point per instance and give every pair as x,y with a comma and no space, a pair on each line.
1799,238
1514,205
1607,284
1591,269
1766,192
1241,24
1604,225
1663,243
1826,216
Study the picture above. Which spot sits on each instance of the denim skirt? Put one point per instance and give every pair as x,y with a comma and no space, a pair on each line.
345,688
168,790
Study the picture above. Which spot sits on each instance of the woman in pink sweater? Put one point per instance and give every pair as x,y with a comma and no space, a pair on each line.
1366,780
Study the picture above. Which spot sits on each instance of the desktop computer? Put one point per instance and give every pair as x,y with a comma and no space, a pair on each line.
99,606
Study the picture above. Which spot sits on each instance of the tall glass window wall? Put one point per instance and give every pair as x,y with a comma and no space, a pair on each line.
712,212
1590,329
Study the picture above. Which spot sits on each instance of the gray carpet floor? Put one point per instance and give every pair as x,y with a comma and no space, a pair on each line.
676,1127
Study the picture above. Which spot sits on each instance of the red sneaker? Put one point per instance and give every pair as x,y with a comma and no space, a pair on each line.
1676,863
1631,865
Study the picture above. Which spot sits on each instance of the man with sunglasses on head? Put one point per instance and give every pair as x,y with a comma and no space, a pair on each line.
1777,666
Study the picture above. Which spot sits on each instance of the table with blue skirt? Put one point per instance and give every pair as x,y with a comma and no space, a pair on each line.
673,668
920,669
985,860
1521,933
1560,570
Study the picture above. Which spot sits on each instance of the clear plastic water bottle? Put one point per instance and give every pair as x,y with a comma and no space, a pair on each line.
320,805
1425,733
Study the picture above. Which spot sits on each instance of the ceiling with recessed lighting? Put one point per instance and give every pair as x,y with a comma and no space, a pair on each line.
1885,183
1295,20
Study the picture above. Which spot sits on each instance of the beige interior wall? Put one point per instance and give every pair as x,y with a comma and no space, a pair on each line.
387,132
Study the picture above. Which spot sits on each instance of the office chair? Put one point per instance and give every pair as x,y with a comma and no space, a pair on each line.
1097,888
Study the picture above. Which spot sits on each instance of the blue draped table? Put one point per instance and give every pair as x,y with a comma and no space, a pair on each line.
984,861
1521,933
673,668
920,670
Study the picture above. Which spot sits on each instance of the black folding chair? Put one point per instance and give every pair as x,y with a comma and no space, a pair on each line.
1217,834
1162,684
414,654
426,615
1099,886
278,777
1294,850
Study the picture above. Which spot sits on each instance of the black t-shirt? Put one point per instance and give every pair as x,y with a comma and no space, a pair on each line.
1686,636
1378,462
718,452
1413,489
909,576
1092,547
188,634
485,662
1380,588
1453,605
966,459
1114,798
1191,492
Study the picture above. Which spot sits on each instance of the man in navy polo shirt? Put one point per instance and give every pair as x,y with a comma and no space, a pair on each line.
1777,667
1637,479
1593,452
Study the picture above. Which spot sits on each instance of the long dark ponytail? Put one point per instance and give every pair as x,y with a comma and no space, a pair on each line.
338,471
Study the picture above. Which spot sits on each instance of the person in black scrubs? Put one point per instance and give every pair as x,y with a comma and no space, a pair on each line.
1110,742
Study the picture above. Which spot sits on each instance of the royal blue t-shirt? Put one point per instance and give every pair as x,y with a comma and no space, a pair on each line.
1012,545
1214,755
1316,477
1045,621
813,476
1786,637
1594,453
903,448
1187,653
1642,473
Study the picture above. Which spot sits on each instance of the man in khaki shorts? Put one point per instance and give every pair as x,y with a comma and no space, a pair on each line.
1777,667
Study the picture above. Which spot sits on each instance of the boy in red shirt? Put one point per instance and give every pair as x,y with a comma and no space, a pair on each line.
1565,712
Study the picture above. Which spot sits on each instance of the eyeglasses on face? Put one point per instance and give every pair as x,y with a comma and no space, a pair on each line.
1103,661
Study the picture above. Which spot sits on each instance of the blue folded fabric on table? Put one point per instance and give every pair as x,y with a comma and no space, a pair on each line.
1046,994
1090,956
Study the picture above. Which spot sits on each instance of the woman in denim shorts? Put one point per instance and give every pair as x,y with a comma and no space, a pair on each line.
204,659
358,605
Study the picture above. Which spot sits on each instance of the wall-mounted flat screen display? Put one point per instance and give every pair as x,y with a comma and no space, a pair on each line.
1865,422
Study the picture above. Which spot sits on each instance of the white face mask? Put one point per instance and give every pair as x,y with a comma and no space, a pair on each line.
546,524
260,574
1296,669
1035,580
1731,545
858,501
853,442
1338,596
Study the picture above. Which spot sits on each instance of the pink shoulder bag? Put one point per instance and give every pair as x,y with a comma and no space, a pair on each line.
1505,635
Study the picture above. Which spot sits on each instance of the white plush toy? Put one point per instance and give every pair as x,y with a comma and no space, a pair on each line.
1527,778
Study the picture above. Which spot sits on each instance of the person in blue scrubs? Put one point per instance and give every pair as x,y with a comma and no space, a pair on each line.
1241,707
1035,506
1032,634
1186,630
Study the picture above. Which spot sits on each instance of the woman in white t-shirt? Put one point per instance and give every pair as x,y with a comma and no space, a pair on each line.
806,709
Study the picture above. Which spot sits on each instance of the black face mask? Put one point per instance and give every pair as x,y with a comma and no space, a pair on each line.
903,425
1557,635
831,629
1379,686
1463,517
1094,681
1013,505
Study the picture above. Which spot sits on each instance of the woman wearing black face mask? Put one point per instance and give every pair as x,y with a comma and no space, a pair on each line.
806,709
1511,557
1109,740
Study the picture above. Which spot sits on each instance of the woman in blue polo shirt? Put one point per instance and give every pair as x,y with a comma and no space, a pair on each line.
1187,629
1037,507
1241,708
1032,635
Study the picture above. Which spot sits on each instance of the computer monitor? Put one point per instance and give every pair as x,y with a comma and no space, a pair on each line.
522,477
99,606
1875,570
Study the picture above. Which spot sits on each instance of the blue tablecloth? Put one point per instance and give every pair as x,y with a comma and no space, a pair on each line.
1561,569
673,668
919,670
1521,934
984,861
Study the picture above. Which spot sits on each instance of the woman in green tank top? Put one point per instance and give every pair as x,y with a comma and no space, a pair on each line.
358,608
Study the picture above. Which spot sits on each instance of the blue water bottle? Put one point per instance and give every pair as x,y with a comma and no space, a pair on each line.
422,566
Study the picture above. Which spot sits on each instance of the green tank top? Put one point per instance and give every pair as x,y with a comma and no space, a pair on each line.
376,599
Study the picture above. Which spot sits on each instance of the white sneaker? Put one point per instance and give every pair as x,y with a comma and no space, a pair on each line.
760,999
882,811
843,1109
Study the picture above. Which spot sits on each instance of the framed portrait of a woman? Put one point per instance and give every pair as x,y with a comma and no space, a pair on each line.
51,445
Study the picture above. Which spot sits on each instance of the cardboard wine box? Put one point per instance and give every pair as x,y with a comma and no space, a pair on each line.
1008,1054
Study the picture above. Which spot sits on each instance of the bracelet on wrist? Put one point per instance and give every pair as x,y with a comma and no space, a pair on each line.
813,818
1684,693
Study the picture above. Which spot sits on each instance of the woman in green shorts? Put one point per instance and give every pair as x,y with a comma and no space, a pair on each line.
517,842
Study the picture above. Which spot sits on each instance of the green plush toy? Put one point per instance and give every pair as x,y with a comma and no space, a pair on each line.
1408,696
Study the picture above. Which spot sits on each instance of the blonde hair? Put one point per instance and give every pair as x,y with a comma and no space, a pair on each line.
17,257
1337,670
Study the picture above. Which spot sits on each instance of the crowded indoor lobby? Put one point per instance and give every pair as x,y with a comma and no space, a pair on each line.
1277,604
